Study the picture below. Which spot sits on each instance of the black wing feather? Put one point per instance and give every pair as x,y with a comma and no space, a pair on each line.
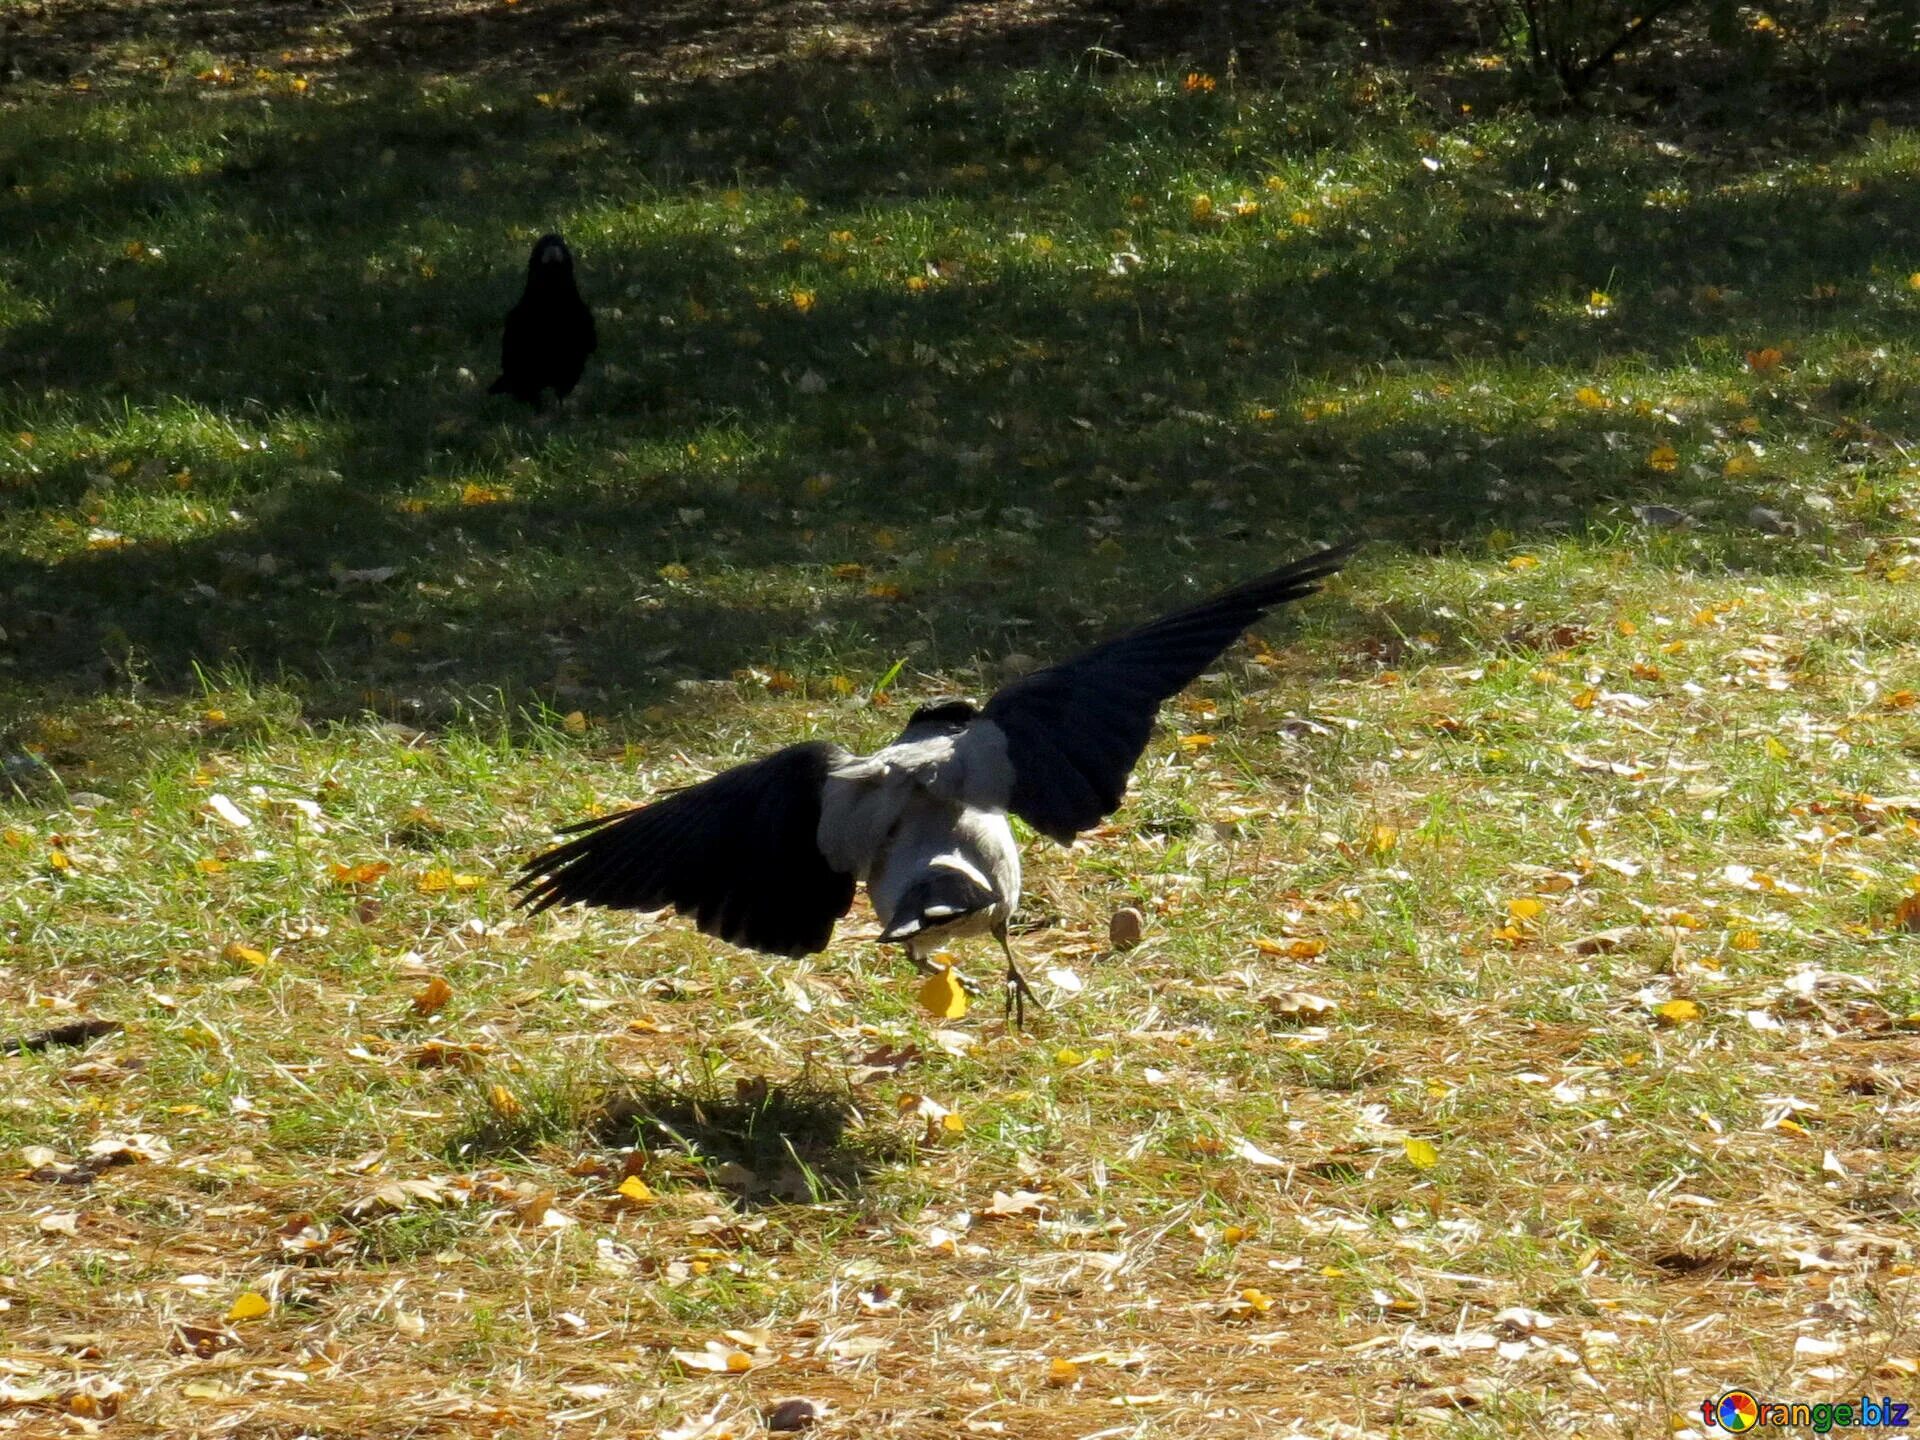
1075,731
738,853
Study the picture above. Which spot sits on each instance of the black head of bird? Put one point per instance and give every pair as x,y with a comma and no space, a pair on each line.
551,260
766,855
549,332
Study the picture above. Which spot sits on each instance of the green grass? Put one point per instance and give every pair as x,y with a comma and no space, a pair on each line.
906,383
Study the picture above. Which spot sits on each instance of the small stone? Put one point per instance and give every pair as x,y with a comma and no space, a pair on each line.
796,1414
1126,928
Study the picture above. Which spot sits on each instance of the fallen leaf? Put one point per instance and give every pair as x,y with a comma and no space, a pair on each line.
1906,915
1251,1153
1021,1202
941,995
709,1426
432,996
440,878
1677,1012
250,1305
1421,1154
228,811
717,1359
1602,941
1300,1005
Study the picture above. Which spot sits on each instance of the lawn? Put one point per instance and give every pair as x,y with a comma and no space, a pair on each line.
1522,1038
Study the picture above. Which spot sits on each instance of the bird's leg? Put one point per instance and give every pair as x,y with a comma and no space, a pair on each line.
1018,991
927,967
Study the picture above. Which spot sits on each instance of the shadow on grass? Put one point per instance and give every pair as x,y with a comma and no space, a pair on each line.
268,313
764,1143
673,40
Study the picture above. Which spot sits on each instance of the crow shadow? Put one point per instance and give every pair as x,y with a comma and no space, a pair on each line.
796,1141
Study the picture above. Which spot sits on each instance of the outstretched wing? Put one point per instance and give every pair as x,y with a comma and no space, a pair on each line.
1074,731
739,853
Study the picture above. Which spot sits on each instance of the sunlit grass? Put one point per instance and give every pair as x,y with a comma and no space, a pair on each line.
901,391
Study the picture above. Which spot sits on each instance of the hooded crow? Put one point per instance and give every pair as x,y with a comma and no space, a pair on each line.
766,855
549,331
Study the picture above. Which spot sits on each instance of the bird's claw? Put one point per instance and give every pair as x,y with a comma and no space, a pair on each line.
1019,992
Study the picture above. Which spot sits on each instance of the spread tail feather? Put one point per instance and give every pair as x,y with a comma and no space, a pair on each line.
933,903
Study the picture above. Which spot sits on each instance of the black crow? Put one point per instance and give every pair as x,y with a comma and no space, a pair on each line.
766,854
549,332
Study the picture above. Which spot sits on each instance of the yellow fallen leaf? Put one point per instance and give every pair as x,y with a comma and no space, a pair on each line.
1677,1012
1383,840
503,1102
1421,1154
1663,458
1305,949
440,878
432,996
245,953
251,1305
941,996
635,1189
1062,1372
1745,940
1525,908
